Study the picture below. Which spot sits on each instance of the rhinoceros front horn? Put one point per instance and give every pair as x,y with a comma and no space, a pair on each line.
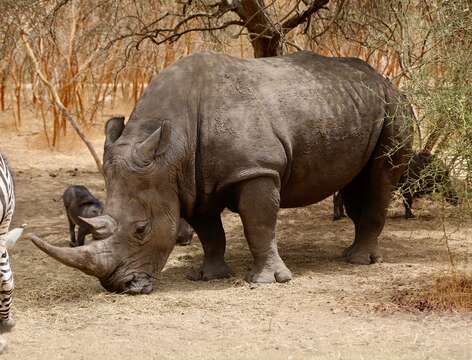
103,226
93,259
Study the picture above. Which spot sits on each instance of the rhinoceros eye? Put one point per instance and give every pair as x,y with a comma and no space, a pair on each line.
141,230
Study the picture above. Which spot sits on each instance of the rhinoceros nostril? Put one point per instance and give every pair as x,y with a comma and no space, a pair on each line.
130,282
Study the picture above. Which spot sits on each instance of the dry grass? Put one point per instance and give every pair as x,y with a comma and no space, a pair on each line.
450,293
323,313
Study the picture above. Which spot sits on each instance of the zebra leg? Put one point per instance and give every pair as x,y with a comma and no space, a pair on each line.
6,290
7,324
3,344
7,194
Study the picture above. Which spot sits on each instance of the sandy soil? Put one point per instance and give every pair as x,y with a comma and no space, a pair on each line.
331,310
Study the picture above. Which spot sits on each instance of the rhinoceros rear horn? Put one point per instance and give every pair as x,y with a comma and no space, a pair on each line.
103,226
113,129
149,148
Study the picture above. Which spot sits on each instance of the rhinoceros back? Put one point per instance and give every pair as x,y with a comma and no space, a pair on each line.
309,121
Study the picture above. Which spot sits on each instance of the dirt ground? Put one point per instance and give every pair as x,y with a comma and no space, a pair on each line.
331,310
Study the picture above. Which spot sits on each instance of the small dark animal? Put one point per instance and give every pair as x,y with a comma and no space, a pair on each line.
79,202
425,174
184,233
338,206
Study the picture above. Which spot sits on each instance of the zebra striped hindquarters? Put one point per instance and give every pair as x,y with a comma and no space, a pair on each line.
7,240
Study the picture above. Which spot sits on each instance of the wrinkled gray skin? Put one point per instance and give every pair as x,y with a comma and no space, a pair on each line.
80,203
213,132
425,174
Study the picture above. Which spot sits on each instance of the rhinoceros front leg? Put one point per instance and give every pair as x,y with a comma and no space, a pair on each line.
212,236
258,206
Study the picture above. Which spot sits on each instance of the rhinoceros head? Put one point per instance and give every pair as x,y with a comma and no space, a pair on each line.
139,225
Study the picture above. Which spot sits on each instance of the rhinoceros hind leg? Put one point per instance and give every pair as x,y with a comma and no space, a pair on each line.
368,196
258,205
364,250
212,236
368,209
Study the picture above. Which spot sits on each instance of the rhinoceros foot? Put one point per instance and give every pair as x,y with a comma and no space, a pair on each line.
211,271
270,272
360,255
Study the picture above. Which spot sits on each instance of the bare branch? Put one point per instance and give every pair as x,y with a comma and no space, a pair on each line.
58,101
298,19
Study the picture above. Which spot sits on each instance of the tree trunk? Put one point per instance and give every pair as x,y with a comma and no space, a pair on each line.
266,38
263,36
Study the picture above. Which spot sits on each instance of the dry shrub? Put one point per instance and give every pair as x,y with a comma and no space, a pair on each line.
450,293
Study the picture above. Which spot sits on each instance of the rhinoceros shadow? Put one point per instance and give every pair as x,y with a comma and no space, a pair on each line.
311,247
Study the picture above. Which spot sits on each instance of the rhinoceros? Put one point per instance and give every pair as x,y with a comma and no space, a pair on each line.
251,135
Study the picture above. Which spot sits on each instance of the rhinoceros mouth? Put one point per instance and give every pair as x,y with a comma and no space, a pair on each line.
139,286
132,284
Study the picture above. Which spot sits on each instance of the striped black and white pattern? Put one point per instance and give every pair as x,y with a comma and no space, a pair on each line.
7,207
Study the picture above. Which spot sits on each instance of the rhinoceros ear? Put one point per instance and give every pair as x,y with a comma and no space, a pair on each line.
113,129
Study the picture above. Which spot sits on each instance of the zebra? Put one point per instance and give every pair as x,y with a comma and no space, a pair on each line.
7,240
